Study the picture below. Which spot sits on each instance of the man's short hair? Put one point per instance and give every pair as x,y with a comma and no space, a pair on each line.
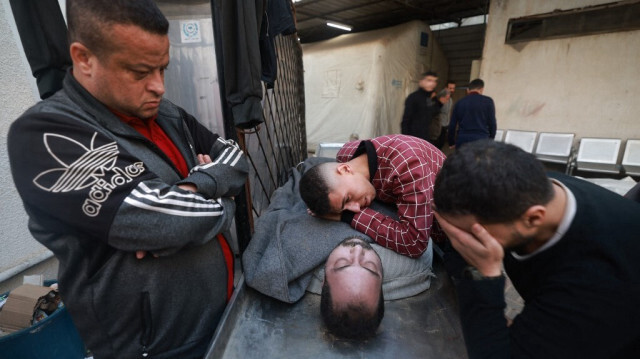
494,181
476,84
87,20
443,93
451,82
314,189
430,73
354,321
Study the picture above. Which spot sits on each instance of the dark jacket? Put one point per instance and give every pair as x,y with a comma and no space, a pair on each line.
475,118
238,24
419,111
581,294
277,19
96,191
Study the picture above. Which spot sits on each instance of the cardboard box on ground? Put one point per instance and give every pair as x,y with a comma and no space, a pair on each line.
26,303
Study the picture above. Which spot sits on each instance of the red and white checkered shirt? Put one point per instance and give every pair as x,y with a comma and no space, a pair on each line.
407,169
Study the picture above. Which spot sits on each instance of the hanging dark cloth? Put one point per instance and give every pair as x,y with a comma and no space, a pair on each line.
239,23
43,34
277,19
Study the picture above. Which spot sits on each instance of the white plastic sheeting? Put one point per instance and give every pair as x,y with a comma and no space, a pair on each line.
357,83
192,78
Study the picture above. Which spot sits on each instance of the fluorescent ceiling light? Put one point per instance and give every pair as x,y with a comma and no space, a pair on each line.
339,26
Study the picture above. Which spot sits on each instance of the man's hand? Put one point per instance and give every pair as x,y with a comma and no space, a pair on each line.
328,216
202,160
478,248
332,217
142,254
188,187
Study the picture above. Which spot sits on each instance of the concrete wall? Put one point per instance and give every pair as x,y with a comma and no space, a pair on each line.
18,249
587,85
357,83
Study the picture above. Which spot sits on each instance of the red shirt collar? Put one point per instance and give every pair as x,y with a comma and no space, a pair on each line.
130,120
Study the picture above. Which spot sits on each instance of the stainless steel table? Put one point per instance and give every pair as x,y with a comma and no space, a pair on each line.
423,326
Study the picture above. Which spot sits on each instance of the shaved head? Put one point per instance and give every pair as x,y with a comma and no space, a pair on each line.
352,303
90,21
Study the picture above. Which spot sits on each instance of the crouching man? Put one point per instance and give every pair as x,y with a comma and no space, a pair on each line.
571,249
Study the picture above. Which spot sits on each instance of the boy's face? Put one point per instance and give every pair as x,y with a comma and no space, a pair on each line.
349,190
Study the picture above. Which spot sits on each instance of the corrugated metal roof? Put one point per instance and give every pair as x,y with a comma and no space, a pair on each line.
461,46
363,15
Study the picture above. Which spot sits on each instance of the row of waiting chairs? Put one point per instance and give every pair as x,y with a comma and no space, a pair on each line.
593,154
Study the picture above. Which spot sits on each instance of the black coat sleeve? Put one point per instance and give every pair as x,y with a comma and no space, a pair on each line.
563,320
491,110
408,115
43,34
453,124
482,315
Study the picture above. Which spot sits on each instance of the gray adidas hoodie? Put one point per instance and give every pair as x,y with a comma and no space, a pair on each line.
96,191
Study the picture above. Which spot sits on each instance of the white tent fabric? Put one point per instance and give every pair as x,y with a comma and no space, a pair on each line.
356,84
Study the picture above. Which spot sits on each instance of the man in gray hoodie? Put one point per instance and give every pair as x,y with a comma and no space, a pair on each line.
128,190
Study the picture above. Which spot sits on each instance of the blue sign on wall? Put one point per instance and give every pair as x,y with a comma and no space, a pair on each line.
424,39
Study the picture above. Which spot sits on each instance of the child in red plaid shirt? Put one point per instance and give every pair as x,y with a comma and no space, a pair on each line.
395,169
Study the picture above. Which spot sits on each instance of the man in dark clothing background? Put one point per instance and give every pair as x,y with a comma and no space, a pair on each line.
421,108
473,118
570,248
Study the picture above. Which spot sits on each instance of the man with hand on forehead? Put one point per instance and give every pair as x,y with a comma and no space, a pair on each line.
570,247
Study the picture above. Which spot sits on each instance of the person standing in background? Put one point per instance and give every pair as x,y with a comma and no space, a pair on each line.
473,118
421,107
435,127
445,112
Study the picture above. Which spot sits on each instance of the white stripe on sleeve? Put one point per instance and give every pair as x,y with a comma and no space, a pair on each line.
173,212
193,196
